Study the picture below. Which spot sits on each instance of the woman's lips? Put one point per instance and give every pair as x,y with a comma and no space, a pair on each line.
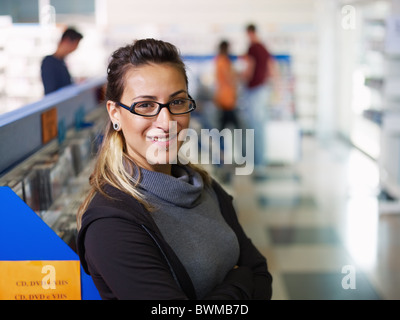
162,140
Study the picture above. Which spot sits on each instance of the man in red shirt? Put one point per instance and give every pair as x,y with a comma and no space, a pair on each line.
259,67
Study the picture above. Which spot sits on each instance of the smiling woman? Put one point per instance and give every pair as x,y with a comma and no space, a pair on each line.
161,82
149,228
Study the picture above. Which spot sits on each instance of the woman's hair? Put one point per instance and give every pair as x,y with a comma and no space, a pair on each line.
114,166
142,52
224,47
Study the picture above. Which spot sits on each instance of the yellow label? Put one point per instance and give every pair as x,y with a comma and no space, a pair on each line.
49,125
40,280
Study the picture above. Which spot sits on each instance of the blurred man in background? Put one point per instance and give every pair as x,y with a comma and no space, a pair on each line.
54,71
258,72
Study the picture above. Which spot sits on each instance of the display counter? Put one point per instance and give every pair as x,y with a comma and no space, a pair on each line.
47,149
24,131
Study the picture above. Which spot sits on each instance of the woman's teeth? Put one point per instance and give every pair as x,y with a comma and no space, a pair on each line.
162,139
165,139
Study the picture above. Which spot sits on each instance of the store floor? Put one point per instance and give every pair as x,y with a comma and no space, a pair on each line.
318,224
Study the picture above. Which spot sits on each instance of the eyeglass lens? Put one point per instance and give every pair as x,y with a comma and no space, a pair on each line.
177,106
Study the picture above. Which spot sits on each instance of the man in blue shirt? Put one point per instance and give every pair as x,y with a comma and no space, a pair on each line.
54,71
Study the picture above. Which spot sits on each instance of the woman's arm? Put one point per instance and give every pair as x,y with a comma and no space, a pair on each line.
124,262
250,258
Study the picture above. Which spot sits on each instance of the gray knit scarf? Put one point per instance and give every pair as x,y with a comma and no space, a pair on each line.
190,220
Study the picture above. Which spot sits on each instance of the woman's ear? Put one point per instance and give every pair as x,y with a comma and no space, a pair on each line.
113,112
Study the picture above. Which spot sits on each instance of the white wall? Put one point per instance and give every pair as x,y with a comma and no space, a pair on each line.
197,26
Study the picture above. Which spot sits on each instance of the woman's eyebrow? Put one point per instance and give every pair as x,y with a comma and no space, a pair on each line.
178,92
155,98
144,97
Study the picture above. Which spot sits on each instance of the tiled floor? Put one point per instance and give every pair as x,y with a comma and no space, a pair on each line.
317,222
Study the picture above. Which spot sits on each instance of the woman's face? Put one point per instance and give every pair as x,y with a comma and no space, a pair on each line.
152,142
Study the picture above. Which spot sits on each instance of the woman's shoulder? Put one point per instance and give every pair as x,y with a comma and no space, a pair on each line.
113,197
113,212
114,203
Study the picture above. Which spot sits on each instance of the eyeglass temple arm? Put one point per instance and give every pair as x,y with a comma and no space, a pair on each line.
124,106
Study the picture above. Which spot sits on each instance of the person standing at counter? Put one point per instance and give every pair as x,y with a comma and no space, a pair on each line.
257,76
155,229
54,71
226,87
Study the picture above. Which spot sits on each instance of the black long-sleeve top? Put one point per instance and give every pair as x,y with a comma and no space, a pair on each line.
121,247
55,74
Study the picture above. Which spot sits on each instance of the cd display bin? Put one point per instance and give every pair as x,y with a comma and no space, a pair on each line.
40,196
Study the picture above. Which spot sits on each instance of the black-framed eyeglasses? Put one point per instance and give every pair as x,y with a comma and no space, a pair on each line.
176,106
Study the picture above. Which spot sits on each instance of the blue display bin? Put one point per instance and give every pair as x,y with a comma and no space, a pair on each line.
34,260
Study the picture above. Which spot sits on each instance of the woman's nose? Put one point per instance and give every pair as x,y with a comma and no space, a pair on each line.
163,118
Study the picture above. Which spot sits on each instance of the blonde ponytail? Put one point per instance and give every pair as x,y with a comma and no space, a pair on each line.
113,167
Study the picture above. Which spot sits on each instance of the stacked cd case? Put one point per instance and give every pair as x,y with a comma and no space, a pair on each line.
54,180
41,181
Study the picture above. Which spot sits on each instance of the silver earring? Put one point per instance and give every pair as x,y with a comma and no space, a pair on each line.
116,126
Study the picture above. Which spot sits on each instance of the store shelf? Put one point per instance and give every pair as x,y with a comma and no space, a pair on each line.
43,181
22,128
390,135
